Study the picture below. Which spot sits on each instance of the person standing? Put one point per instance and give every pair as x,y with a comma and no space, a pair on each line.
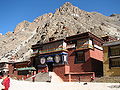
92,78
6,81
33,78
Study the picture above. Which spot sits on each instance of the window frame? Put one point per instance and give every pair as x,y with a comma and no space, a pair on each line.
113,56
111,62
76,57
109,49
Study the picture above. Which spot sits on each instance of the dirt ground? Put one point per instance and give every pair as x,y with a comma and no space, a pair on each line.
25,85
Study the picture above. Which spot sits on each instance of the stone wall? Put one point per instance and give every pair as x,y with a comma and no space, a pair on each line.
113,71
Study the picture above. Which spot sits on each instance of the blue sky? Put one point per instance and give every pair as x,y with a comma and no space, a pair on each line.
13,12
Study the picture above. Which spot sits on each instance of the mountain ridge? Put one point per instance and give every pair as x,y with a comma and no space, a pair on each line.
66,21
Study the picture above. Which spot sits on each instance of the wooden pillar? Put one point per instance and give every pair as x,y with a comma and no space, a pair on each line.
69,77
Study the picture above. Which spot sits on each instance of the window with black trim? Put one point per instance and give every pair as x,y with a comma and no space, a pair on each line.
115,62
114,50
80,57
114,56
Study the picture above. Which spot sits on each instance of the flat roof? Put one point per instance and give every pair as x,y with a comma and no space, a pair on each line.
112,43
71,38
39,45
84,35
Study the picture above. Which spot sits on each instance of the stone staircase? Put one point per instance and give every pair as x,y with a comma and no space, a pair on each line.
40,77
46,77
55,77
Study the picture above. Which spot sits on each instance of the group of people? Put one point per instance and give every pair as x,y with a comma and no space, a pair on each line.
5,84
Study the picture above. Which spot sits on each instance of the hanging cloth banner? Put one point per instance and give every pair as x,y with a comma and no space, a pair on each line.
63,53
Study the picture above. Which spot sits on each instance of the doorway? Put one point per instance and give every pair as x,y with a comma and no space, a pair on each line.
97,67
50,66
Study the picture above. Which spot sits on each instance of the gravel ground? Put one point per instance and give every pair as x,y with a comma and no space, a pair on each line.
25,85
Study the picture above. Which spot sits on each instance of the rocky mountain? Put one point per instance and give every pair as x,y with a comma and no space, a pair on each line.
66,21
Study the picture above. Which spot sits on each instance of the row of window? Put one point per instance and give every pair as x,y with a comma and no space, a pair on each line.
80,56
80,44
114,56
115,62
114,51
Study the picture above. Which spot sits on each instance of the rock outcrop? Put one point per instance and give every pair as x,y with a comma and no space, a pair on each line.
22,26
66,21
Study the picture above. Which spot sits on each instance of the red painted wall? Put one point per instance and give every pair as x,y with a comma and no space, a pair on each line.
96,54
11,69
63,71
81,67
60,71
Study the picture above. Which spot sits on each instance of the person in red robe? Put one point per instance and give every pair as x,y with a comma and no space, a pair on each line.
6,82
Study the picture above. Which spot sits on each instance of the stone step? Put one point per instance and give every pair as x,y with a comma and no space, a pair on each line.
40,77
55,77
46,77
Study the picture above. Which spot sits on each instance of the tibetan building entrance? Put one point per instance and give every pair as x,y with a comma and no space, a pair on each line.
50,66
49,55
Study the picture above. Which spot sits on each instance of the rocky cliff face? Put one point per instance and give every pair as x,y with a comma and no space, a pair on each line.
66,21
